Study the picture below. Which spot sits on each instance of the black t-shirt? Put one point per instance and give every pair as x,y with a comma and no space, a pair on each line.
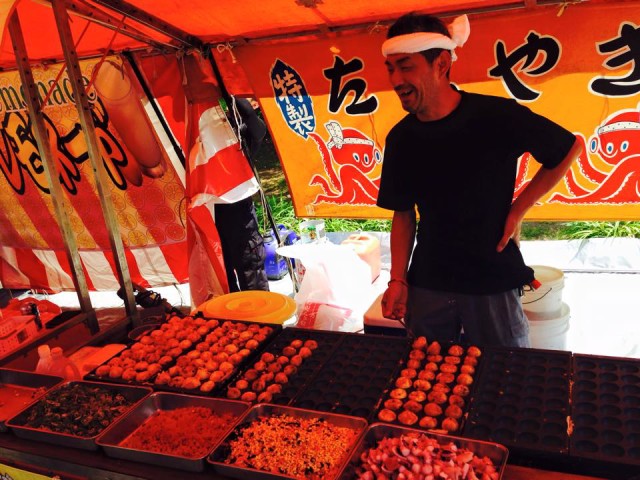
460,172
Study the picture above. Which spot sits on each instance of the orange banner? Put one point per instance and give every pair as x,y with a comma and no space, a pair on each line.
329,105
143,185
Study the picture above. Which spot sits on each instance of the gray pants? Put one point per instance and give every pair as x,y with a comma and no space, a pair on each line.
485,319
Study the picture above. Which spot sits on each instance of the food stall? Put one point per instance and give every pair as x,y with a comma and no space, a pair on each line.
531,413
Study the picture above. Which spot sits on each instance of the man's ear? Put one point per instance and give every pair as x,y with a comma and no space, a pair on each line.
443,62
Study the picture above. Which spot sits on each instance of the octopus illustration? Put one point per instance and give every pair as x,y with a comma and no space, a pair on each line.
348,159
617,142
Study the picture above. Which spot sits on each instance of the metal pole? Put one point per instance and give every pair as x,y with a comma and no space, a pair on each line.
57,195
88,128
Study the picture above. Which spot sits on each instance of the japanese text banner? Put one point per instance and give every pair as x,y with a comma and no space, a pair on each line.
142,183
329,106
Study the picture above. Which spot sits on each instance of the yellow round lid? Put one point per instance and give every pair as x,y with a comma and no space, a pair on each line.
252,305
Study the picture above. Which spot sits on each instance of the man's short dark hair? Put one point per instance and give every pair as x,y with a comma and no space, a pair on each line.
414,22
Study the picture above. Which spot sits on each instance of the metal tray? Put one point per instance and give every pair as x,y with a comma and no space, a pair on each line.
113,436
19,389
18,423
377,431
221,452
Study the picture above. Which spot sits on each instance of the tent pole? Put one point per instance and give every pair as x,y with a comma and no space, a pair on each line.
51,173
88,128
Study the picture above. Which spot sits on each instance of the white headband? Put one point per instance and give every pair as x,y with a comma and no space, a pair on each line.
420,41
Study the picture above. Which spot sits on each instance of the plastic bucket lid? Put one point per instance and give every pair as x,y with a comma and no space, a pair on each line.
252,305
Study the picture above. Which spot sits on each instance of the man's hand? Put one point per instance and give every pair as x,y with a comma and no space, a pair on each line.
394,300
511,230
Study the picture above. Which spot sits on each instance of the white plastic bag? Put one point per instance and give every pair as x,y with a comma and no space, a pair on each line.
335,289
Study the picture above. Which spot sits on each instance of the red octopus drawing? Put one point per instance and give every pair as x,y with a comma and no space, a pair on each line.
617,142
348,158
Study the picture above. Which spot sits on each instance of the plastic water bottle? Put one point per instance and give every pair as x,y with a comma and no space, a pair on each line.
61,366
44,362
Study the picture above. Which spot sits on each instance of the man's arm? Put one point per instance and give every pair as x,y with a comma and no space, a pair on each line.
543,181
403,234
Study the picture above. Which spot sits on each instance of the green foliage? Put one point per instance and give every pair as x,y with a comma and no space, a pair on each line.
583,230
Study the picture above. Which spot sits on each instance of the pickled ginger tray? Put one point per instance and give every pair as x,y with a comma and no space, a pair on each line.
187,355
605,410
522,400
433,388
354,378
284,367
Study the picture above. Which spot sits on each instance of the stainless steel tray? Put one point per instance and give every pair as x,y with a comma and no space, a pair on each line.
18,389
220,453
377,431
113,436
18,424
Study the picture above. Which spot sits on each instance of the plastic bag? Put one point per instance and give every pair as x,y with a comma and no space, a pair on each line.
335,289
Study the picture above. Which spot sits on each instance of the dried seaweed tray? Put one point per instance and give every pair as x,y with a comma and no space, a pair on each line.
522,400
111,439
185,358
18,389
354,378
379,431
91,406
427,386
605,410
288,344
276,442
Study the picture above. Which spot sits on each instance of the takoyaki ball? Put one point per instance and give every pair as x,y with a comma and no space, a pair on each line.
297,343
416,354
274,388
251,344
473,351
115,372
467,369
413,406
445,377
283,360
413,363
154,368
244,352
409,373
453,411
387,415
407,417
129,374
267,357
456,400
450,424
434,358
289,351
265,397
393,404
418,396
208,385
432,409
426,375
399,393
274,367
465,379
226,367
468,360
281,378
311,344
423,385
305,352
428,422
419,343
296,360
432,366
260,366
289,370
191,383
448,368
452,359
163,378
436,396
251,374
140,366
258,385
403,382
434,348
268,376
217,376
456,350
103,370
461,390
242,384
248,396
176,382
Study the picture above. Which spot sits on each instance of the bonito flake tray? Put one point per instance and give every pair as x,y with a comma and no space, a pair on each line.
274,442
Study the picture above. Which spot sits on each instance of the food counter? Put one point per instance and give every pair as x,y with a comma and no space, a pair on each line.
552,410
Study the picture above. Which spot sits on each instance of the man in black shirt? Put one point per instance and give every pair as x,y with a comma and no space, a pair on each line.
454,157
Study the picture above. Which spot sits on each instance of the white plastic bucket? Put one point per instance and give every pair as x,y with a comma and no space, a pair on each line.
550,334
546,301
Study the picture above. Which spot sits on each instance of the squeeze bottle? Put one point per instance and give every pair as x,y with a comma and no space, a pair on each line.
61,366
44,363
